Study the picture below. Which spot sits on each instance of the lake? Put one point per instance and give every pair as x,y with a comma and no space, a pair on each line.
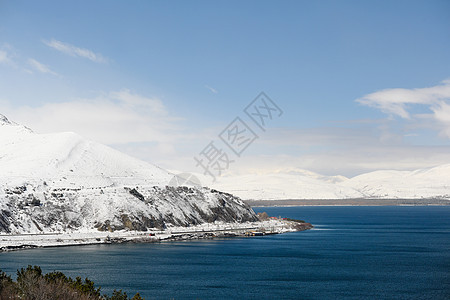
387,252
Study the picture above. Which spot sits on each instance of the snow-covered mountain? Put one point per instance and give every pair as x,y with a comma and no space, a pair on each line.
301,184
422,183
60,182
289,184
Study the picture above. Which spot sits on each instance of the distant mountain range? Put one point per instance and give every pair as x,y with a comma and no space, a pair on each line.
301,184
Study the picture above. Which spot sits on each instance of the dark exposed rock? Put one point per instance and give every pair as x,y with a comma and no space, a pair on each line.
34,201
140,223
17,190
263,216
105,226
302,226
4,221
138,195
150,207
37,225
57,195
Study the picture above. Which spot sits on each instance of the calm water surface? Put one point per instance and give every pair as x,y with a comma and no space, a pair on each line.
353,253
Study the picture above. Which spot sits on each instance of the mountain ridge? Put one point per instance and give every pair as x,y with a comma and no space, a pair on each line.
421,183
61,182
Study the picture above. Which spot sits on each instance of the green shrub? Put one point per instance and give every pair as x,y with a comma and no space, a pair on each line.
33,285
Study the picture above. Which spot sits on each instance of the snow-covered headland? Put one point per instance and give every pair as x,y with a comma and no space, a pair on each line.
10,242
60,189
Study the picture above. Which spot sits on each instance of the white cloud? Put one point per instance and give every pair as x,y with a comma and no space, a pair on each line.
143,127
9,56
75,51
213,90
329,151
4,59
442,114
401,102
40,67
113,118
130,100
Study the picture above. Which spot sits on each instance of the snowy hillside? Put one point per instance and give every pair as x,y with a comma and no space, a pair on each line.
423,183
292,184
300,184
62,182
68,160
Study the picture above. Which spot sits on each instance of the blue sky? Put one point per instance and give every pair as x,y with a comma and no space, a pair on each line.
362,83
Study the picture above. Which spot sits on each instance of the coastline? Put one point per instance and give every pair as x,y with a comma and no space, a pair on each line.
13,242
350,202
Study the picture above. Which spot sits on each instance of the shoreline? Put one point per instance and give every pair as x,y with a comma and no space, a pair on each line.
348,202
15,242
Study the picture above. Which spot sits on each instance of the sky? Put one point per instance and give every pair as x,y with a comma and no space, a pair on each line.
360,85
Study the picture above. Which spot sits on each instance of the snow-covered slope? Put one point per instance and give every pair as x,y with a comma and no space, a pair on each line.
423,183
60,182
68,160
289,184
300,184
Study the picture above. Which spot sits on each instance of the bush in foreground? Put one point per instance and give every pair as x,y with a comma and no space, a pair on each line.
32,284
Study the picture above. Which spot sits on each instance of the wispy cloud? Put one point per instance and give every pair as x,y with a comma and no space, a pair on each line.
112,118
9,56
144,127
40,67
401,102
442,114
213,90
4,59
75,51
133,100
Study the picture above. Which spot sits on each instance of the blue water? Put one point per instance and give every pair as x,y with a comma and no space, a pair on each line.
353,253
